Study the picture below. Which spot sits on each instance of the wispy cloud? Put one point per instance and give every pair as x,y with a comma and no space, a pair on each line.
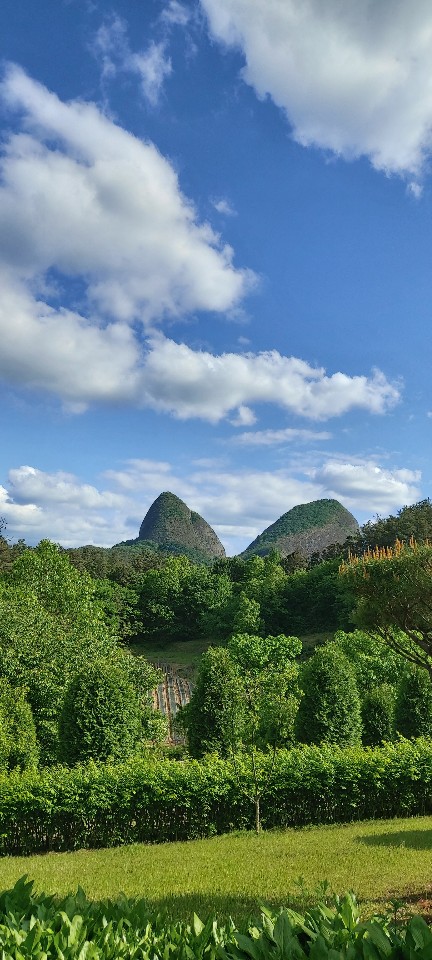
175,13
272,438
151,64
224,207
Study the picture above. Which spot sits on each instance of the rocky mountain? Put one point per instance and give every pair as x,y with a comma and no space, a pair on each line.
307,528
170,526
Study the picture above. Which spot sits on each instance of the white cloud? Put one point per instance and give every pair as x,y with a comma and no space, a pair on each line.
84,197
111,48
239,504
81,198
62,352
176,14
29,484
415,190
270,438
110,45
245,417
353,78
189,383
37,504
366,485
224,207
153,66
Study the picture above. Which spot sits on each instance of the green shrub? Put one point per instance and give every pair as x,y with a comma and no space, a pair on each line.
377,712
147,801
413,710
213,719
329,711
18,744
101,716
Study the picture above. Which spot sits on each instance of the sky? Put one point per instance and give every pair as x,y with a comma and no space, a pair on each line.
215,261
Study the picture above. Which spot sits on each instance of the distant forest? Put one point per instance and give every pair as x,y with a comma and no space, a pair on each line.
154,597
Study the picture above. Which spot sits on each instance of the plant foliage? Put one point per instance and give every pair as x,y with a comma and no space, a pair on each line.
329,711
104,805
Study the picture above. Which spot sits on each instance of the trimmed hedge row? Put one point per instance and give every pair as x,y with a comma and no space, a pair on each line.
145,801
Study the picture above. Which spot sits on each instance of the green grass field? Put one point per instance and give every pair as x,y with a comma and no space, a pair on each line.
185,655
235,873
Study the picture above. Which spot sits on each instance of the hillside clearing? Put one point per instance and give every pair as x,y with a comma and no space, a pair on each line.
234,874
184,655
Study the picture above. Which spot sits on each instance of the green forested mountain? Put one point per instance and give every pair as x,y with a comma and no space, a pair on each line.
307,529
170,526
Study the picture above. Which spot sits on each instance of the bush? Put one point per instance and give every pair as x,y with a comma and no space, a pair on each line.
101,716
18,743
377,712
413,711
330,709
150,802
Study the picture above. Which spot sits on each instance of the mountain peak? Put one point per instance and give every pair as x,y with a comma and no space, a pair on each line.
307,528
174,528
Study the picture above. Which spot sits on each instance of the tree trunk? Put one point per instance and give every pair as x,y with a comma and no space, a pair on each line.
257,813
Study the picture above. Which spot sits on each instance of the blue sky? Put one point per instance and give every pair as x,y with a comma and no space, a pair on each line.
215,259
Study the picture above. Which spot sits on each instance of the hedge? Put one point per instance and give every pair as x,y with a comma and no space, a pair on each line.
144,801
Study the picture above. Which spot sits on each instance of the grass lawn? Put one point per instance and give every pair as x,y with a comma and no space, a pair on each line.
235,873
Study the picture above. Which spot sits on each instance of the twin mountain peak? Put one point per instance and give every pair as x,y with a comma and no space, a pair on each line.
170,526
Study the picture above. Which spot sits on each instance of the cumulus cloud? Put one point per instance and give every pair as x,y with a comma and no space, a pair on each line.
366,484
62,352
353,78
84,197
37,504
30,484
191,383
60,506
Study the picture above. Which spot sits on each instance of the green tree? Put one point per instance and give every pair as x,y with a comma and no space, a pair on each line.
244,701
52,625
409,522
214,717
393,587
101,716
377,712
179,600
246,617
329,711
268,689
374,663
413,710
